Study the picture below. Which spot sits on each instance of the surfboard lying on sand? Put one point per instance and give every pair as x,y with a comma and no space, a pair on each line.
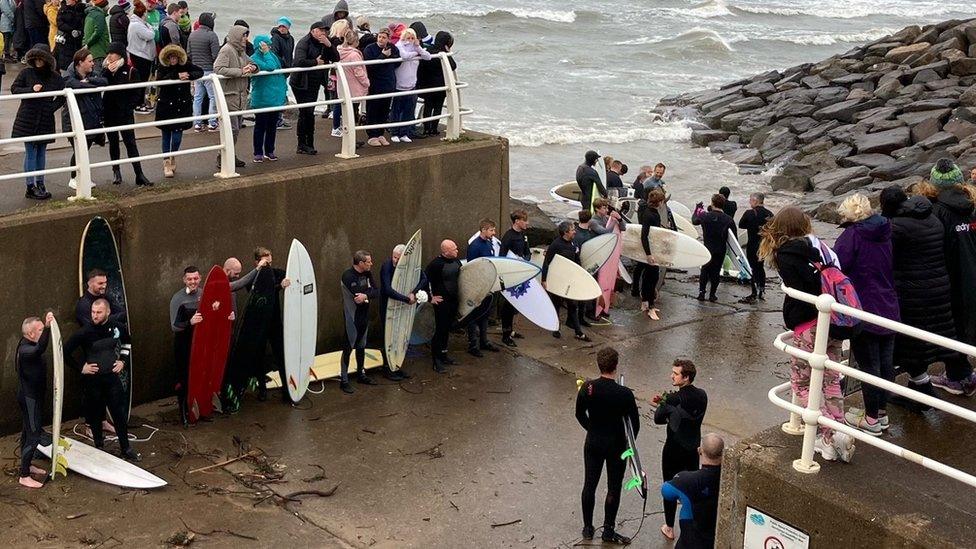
328,366
102,466
210,346
399,315
595,252
299,320
532,301
566,279
669,248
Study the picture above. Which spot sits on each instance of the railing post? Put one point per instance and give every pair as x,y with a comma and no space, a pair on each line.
794,425
348,117
453,100
228,155
82,160
811,416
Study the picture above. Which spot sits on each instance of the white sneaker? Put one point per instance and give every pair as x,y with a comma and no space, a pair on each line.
844,445
337,132
73,183
825,449
856,417
394,139
406,139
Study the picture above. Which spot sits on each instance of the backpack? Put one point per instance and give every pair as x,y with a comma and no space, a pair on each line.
835,283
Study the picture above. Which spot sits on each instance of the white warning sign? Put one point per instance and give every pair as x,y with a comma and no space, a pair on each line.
766,532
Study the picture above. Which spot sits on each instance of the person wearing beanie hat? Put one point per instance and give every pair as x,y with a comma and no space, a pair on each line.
282,42
118,22
96,37
945,173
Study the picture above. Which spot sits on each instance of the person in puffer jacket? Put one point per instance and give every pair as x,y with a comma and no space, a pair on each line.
404,108
233,63
356,76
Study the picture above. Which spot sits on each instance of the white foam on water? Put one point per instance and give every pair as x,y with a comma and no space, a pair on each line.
567,134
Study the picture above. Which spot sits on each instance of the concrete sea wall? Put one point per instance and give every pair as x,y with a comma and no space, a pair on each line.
335,208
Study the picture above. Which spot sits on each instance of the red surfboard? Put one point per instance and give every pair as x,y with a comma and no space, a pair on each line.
211,343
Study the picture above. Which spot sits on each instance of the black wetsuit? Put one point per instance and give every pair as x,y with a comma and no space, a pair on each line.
569,250
753,220
698,493
387,293
517,243
260,326
103,344
601,406
649,217
443,276
587,178
83,309
357,283
181,309
683,413
31,385
715,226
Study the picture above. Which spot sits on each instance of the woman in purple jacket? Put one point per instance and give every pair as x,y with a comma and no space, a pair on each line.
864,249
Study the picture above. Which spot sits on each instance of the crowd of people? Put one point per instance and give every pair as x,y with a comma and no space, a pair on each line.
82,44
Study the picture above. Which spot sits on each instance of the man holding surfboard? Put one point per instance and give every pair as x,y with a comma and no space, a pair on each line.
31,384
513,242
388,292
591,187
183,316
563,245
358,288
477,327
443,273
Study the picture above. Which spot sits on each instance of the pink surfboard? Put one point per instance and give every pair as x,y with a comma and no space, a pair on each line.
607,277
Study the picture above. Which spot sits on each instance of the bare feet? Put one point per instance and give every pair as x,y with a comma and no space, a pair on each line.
37,470
667,531
29,482
653,314
644,306
108,428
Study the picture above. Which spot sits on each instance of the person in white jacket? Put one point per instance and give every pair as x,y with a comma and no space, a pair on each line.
141,48
404,107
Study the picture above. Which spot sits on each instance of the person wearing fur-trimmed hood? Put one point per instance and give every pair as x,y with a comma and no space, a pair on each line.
174,101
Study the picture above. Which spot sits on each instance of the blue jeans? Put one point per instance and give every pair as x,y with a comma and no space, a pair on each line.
172,139
404,109
204,86
35,158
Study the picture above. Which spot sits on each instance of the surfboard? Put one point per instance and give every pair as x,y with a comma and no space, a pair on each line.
512,271
607,275
58,464
532,302
566,192
99,251
252,328
329,366
685,227
102,466
736,262
632,454
423,325
299,320
623,272
670,248
679,208
475,282
210,346
399,315
566,279
595,252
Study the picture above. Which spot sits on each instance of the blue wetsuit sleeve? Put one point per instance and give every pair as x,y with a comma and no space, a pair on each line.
671,493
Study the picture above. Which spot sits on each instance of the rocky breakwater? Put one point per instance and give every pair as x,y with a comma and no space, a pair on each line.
880,114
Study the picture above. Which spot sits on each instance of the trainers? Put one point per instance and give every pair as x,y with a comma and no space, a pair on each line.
609,536
258,158
337,132
383,141
271,157
73,184
394,139
406,139
346,387
509,342
131,455
583,337
969,385
844,445
857,418
34,193
943,382
213,128
825,449
374,142
199,128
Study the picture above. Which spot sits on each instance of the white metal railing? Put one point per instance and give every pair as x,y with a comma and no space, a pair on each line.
83,165
818,360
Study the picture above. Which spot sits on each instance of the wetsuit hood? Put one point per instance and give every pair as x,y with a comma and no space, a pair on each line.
420,29
591,157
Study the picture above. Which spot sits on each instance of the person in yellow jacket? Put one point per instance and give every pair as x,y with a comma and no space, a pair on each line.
51,11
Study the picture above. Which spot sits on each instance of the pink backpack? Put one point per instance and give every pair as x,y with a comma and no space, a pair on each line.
835,283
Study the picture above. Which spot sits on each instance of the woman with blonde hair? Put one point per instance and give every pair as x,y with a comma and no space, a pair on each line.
786,247
356,76
864,249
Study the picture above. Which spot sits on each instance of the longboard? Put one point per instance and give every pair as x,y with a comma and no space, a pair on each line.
632,455
100,251
102,466
607,275
328,366
300,320
399,315
210,346
669,248
567,279
58,464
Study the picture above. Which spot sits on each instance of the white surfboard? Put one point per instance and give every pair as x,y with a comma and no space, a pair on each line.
567,193
532,301
329,366
475,282
596,251
512,271
300,320
685,227
679,208
400,315
495,243
739,261
58,463
669,248
624,273
102,466
566,279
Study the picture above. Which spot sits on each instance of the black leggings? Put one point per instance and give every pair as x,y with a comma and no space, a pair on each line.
507,312
433,105
710,273
648,283
443,322
306,117
594,455
31,435
101,391
675,459
143,72
131,149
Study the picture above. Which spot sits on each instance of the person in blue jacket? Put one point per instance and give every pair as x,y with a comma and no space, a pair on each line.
387,292
267,90
477,327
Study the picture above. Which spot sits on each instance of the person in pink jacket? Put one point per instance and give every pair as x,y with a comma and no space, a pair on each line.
356,76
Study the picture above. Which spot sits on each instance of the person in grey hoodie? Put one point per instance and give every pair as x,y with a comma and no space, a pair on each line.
341,11
203,47
233,63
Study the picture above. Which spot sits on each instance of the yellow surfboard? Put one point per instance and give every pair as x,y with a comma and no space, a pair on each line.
327,366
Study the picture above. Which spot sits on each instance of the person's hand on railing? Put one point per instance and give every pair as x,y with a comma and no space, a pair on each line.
38,87
319,60
184,75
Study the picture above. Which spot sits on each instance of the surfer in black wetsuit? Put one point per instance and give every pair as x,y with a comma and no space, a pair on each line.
387,292
715,224
358,288
683,412
443,273
233,269
563,245
514,241
183,316
589,180
105,346
698,493
31,384
601,406
753,220
96,287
